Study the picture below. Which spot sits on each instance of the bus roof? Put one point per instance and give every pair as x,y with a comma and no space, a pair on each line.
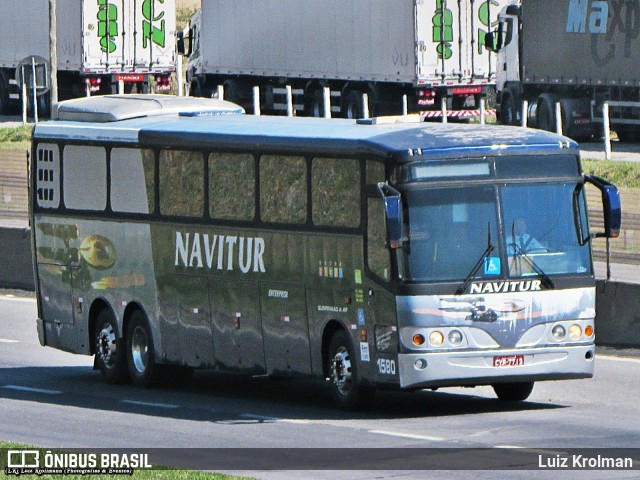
186,123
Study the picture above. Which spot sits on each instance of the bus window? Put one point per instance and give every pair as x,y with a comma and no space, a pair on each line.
448,230
283,189
375,172
540,231
335,192
85,177
132,180
377,252
181,183
232,186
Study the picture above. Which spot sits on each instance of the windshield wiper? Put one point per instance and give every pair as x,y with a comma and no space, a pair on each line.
517,249
476,267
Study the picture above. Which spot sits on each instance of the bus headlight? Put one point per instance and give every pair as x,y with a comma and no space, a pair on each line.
588,332
455,337
436,338
575,332
558,333
418,339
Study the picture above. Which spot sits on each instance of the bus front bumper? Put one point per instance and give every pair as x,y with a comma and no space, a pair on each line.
451,368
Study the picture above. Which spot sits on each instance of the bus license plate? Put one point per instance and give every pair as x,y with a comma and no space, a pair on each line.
508,361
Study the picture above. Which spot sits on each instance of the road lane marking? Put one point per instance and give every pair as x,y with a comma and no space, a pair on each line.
618,359
252,416
32,390
8,340
13,298
412,436
542,451
151,404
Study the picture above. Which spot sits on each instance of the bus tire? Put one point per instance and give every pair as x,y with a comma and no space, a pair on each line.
140,353
108,348
513,392
343,374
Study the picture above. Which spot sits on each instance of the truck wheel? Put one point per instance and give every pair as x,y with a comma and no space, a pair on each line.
343,372
545,114
316,105
109,355
353,105
628,136
140,351
508,110
4,97
513,392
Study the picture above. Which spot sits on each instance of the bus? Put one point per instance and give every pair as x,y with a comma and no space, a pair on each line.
173,234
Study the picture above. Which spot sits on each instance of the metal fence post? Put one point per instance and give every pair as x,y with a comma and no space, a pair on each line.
525,113
326,102
443,109
220,92
35,90
405,105
607,131
289,101
256,101
558,118
482,112
365,105
25,101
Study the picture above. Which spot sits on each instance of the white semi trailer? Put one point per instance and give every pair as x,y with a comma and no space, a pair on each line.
101,44
418,53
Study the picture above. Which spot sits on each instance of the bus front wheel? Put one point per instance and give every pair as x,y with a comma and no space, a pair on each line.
343,375
513,392
108,347
140,352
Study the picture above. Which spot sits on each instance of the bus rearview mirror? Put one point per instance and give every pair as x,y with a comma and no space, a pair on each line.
611,206
392,215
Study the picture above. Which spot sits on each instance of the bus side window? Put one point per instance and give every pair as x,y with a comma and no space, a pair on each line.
132,180
181,183
375,172
377,253
335,192
85,177
283,189
232,186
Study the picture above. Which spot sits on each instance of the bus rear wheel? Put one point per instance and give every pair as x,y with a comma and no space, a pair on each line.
109,355
513,392
343,374
140,352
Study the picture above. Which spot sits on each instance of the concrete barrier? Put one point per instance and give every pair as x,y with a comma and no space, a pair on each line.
16,267
617,303
618,314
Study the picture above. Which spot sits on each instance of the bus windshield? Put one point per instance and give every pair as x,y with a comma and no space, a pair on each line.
451,229
448,232
539,230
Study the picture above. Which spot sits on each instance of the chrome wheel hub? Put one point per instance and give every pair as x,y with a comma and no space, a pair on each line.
140,349
106,345
341,371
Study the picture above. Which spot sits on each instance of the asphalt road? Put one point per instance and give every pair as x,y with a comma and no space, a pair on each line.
54,399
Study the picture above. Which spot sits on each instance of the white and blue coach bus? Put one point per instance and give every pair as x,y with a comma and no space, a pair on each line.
173,234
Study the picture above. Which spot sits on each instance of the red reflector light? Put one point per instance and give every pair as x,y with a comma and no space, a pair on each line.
466,90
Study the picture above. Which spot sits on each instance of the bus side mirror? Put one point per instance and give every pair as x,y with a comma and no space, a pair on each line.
611,206
392,215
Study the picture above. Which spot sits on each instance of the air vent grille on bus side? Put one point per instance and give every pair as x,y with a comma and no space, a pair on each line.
48,176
